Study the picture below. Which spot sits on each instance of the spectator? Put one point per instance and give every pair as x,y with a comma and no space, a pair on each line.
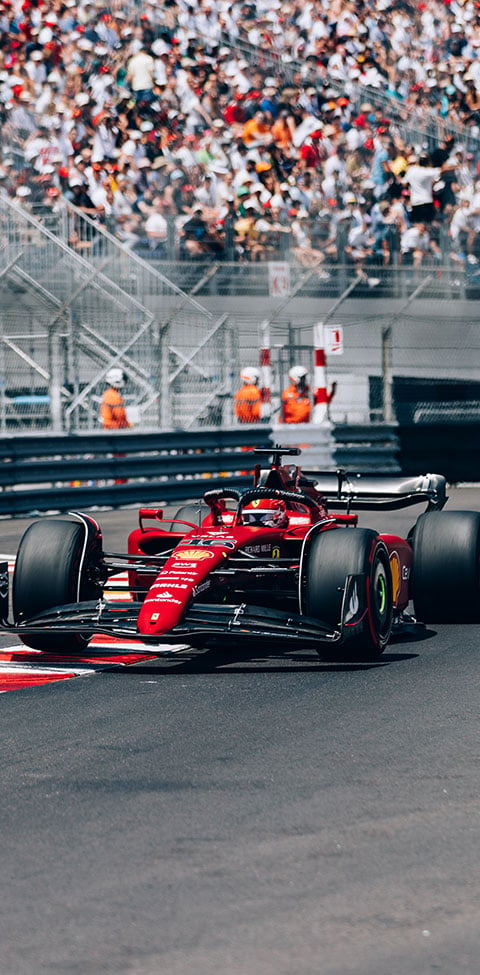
381,171
247,236
82,83
257,131
461,230
417,245
420,178
360,249
198,237
382,232
302,249
156,228
282,131
140,75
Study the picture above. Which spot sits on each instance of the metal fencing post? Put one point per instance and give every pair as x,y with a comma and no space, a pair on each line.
387,371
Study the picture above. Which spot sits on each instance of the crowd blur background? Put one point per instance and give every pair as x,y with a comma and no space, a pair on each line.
312,131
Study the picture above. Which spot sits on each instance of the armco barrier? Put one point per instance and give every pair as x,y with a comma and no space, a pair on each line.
36,473
316,443
45,473
368,447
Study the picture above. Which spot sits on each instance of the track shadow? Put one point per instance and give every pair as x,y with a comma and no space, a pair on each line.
241,662
241,659
418,634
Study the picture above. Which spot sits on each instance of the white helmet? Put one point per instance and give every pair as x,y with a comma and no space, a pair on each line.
250,375
115,377
297,373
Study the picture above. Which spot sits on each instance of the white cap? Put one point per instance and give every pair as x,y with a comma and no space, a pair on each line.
115,377
250,375
160,47
297,373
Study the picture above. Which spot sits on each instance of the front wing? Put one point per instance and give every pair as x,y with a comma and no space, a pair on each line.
201,622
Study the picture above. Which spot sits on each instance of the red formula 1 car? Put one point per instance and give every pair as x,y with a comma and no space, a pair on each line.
283,561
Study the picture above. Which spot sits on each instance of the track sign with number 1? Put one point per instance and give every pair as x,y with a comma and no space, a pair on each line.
333,337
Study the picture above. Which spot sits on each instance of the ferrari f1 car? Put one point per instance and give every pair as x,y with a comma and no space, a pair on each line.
282,561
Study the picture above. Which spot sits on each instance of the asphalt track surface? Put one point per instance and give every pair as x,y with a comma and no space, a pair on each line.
251,816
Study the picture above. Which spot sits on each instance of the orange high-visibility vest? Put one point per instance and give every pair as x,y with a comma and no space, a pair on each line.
112,410
247,404
296,406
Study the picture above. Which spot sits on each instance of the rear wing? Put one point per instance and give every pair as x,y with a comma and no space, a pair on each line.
345,490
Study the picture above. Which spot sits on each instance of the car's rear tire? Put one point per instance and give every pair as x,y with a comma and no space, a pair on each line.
446,567
332,557
52,569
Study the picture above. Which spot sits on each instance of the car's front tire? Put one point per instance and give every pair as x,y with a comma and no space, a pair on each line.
52,569
333,556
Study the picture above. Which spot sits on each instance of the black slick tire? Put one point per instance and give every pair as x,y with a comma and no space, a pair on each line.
50,570
332,557
446,567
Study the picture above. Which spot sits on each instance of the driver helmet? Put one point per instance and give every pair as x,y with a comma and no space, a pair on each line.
269,513
297,373
115,377
250,375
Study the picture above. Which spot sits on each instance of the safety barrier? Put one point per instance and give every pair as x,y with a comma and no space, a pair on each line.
42,473
368,447
45,473
316,442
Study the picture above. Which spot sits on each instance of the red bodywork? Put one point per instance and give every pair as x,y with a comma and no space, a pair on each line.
282,560
401,558
187,571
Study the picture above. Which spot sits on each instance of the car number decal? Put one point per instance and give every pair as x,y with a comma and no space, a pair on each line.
212,542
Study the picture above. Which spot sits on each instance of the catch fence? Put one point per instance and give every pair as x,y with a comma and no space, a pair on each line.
67,319
181,330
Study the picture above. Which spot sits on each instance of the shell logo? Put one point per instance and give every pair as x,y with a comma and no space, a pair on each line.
395,570
192,555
